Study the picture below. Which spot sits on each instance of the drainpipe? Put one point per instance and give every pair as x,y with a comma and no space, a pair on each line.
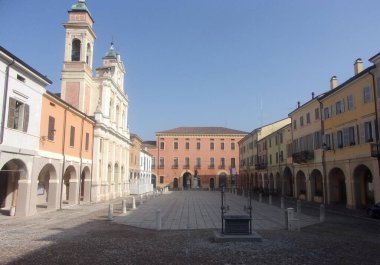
81,161
323,153
6,83
63,155
92,164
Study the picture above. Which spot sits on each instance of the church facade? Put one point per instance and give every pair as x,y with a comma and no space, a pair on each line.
101,96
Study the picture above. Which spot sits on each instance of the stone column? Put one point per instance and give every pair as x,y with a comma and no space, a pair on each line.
73,191
23,195
54,194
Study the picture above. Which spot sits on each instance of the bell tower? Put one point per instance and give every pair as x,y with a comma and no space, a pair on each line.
77,81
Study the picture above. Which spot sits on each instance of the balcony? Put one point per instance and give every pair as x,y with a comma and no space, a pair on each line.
222,167
261,166
211,167
303,157
174,166
186,167
375,150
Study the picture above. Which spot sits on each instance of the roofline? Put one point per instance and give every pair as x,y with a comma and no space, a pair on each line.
316,98
14,57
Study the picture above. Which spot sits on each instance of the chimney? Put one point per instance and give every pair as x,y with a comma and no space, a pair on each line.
358,66
312,95
333,82
298,104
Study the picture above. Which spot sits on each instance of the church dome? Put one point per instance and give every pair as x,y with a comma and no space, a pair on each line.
111,54
80,6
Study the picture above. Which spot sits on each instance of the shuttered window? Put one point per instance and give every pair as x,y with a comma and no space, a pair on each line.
87,141
72,136
51,129
18,115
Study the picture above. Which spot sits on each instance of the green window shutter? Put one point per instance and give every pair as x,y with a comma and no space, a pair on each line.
26,118
11,112
51,128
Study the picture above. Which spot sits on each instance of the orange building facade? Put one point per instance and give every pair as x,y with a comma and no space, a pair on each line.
196,157
64,170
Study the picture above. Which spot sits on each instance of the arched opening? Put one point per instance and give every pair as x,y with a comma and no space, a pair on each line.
154,181
116,182
88,54
10,199
271,183
222,180
278,184
363,184
175,183
266,184
75,50
109,178
47,188
301,185
288,182
69,188
212,183
337,186
85,185
316,184
187,180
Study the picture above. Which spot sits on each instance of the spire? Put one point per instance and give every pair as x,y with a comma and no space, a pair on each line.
111,54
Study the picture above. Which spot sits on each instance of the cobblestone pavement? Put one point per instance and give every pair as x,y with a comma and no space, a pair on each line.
83,235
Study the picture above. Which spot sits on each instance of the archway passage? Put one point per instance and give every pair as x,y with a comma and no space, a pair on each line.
271,184
222,180
69,188
316,183
154,181
301,185
288,182
337,186
363,185
175,183
212,183
187,180
10,199
85,183
46,192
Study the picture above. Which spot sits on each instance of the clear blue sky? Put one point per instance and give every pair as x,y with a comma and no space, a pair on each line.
234,63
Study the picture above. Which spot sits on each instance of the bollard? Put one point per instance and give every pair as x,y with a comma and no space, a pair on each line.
286,219
133,203
124,206
270,199
260,197
322,213
110,212
282,202
141,199
158,219
298,206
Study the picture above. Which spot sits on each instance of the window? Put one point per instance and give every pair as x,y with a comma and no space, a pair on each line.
51,130
20,78
162,145
187,145
187,161
18,115
212,146
232,162
339,107
308,118
270,159
281,156
276,157
301,121
232,146
72,136
175,145
328,141
316,114
222,146
351,135
366,94
294,124
153,162
350,102
326,113
222,162
368,131
198,162
198,145
75,51
161,179
212,162
340,139
100,145
162,162
175,162
317,140
281,138
87,141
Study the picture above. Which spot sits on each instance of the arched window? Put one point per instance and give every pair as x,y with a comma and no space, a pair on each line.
88,54
75,52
